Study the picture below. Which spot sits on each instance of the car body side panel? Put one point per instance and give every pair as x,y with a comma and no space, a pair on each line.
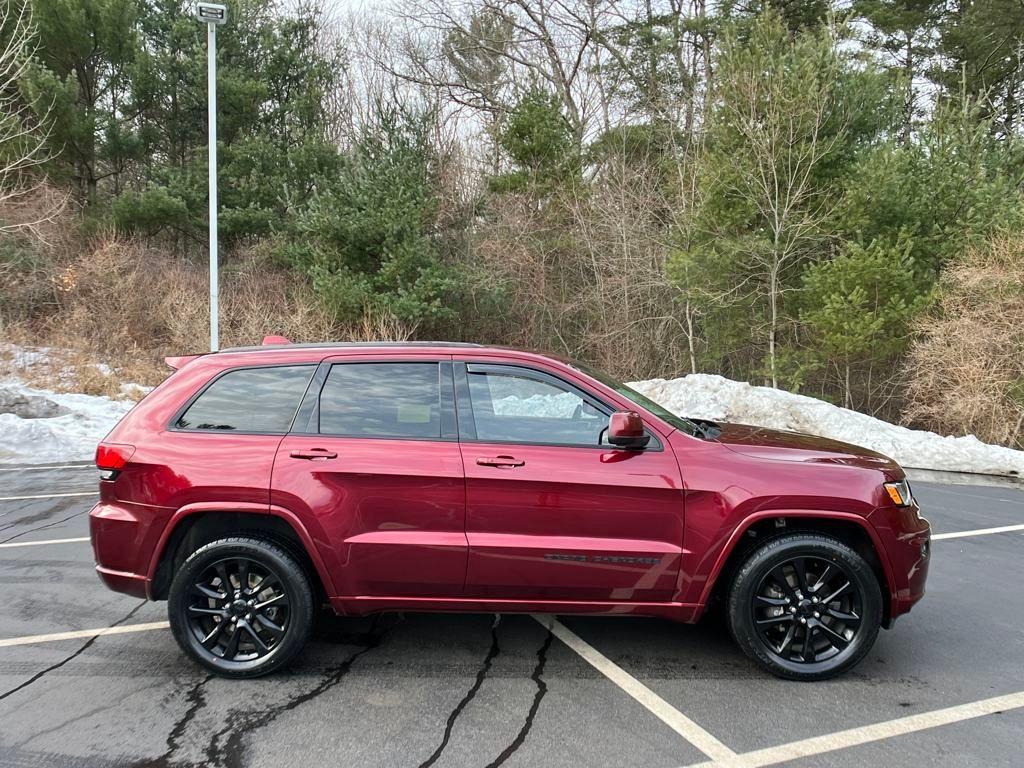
573,523
727,492
386,516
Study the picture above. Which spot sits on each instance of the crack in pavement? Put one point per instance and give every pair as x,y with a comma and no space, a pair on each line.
196,698
66,659
39,528
230,754
542,689
82,716
492,652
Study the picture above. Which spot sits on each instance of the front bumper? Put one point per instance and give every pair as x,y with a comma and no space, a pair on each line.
906,543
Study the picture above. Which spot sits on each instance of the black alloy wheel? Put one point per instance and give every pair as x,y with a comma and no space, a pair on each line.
239,609
241,606
807,609
805,606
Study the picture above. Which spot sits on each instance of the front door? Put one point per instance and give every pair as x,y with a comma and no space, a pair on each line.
375,474
551,512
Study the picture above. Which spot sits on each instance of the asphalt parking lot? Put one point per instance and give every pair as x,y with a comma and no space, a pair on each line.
944,688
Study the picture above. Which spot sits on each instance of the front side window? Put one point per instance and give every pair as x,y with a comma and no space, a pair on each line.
399,400
520,408
683,425
261,400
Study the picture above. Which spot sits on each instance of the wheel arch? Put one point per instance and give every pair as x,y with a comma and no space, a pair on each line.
758,528
194,525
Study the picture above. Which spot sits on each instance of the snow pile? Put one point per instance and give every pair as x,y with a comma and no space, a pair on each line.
719,399
560,406
37,425
40,425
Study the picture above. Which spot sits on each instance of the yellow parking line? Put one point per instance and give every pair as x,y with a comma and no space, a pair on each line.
80,633
853,737
651,701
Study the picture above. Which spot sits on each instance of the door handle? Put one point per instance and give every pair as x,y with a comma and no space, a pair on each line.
499,461
314,453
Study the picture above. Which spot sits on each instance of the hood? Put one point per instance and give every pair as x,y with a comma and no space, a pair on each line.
781,445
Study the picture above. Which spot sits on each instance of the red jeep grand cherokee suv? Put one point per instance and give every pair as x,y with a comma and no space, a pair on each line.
256,484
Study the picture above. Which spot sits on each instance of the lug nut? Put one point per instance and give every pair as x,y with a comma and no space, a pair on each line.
817,615
248,617
803,620
792,610
814,599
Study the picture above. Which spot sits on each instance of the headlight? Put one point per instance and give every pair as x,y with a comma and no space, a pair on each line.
900,493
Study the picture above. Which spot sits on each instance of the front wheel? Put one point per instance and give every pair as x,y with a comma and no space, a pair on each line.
805,606
241,607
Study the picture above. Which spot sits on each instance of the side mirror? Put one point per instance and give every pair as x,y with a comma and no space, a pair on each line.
626,430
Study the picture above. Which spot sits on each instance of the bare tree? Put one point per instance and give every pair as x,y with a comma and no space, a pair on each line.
515,43
23,137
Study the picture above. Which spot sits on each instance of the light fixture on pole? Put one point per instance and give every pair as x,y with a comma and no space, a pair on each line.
212,15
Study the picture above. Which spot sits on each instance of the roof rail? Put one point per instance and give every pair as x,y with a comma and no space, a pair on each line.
351,344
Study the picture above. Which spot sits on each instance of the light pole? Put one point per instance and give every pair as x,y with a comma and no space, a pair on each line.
212,15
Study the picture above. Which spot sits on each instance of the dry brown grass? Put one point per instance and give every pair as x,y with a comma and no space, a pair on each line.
126,304
966,372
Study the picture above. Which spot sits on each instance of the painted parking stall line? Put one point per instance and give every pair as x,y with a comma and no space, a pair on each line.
49,496
80,633
44,468
853,737
977,532
45,542
652,702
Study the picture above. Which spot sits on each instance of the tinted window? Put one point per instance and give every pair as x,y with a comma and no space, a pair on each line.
678,422
249,400
517,408
382,400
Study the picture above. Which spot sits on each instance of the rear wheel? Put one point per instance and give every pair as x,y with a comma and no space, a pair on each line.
242,607
805,606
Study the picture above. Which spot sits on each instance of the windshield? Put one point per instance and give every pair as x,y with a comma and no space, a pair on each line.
678,422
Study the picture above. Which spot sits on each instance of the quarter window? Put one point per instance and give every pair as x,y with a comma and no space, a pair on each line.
518,408
382,400
261,400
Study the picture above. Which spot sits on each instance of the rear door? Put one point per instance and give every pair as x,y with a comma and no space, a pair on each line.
551,512
373,469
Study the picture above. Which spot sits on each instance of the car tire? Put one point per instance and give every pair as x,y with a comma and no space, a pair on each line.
805,606
241,607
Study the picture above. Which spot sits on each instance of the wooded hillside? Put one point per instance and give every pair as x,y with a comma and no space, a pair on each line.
791,193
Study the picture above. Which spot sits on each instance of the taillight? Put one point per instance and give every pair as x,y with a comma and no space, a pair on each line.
111,457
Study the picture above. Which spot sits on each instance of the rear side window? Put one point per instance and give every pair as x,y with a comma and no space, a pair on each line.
260,400
382,400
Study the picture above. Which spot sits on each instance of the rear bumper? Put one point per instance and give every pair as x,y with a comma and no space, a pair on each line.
123,539
133,584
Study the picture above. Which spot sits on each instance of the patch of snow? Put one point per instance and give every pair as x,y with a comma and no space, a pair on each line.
717,398
80,423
